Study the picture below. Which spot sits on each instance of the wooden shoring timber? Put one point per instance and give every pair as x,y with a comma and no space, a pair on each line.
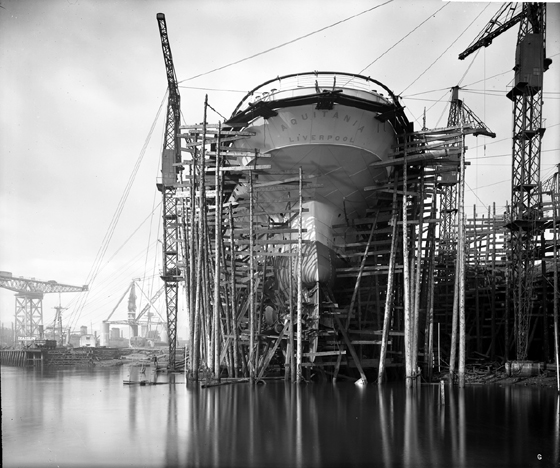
272,350
217,266
398,269
425,147
406,286
268,253
242,203
232,153
415,286
359,245
289,180
206,140
267,241
461,263
212,131
265,230
363,221
286,188
373,253
463,129
256,167
252,289
426,158
363,268
271,213
350,347
299,305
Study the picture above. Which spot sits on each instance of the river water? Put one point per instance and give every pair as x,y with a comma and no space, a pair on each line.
88,418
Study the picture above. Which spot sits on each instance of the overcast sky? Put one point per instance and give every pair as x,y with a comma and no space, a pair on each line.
82,81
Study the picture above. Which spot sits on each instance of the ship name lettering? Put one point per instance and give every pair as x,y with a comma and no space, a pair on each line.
315,137
361,129
347,118
284,128
335,116
304,117
293,122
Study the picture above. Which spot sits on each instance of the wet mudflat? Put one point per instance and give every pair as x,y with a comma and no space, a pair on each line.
87,417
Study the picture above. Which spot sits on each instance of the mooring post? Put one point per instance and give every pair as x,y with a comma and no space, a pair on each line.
441,392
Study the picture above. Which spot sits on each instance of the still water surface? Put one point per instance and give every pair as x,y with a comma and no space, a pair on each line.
88,418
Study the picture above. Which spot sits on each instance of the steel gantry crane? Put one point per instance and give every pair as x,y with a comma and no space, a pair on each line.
171,156
29,302
525,219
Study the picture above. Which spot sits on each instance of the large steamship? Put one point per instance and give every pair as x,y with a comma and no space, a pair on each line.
333,126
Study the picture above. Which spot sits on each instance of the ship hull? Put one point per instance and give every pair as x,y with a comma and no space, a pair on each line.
335,149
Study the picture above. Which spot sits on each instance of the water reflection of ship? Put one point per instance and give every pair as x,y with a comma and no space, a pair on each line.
326,426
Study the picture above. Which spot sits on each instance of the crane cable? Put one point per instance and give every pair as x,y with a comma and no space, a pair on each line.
445,51
75,315
404,37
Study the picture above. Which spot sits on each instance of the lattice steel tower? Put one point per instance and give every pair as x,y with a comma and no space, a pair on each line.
525,218
171,155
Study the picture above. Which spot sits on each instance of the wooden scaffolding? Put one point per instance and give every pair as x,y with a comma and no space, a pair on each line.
400,295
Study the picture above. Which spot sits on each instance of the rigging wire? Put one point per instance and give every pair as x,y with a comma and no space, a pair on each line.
489,78
101,302
215,89
445,51
286,43
76,313
474,193
469,67
150,216
225,118
403,38
112,281
154,207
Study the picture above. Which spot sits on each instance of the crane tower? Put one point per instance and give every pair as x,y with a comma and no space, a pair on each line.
171,156
525,218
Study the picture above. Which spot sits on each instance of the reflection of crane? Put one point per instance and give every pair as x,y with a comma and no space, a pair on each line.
526,211
29,301
133,320
171,155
